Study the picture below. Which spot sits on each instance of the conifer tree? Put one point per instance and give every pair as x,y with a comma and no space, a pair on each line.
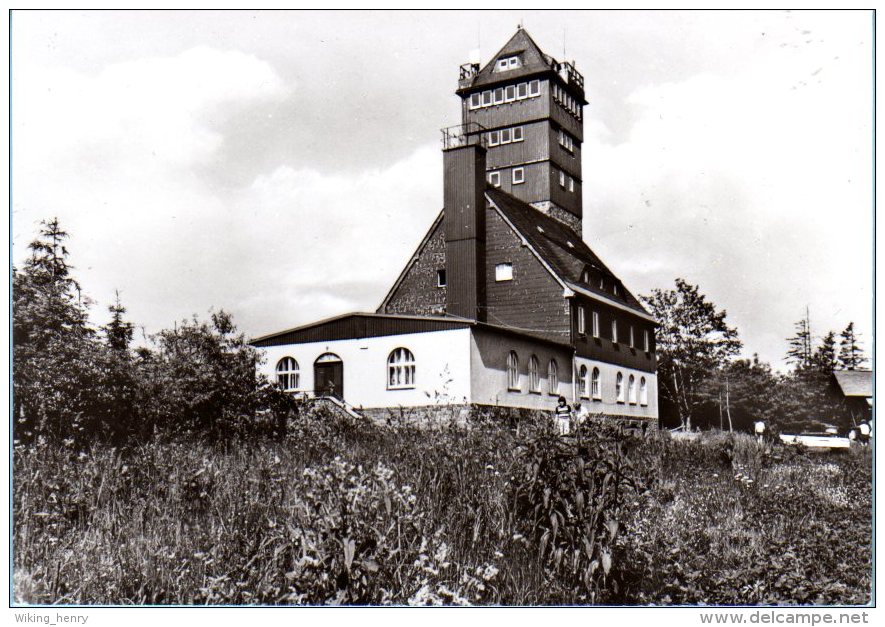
851,355
825,356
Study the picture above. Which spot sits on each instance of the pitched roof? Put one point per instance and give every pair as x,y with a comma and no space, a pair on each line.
359,325
534,63
563,250
855,382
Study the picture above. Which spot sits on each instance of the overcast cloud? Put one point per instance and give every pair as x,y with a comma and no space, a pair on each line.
284,166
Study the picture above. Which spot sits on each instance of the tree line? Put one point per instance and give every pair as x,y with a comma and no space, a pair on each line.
73,380
703,383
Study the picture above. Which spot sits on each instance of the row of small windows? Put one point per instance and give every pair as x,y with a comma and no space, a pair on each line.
566,141
615,289
513,375
517,176
582,330
505,136
593,387
400,371
566,181
567,101
510,93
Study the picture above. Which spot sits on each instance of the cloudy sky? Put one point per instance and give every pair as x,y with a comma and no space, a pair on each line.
284,165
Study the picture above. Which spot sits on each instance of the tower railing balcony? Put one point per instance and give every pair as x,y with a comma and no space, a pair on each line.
569,74
467,74
460,135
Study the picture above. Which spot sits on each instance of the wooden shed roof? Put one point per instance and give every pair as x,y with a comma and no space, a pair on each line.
855,382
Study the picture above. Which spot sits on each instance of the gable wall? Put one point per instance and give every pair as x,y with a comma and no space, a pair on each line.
418,293
533,299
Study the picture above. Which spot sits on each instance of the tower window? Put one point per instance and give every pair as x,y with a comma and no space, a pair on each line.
619,388
499,95
486,98
614,331
595,385
507,63
632,342
441,277
518,175
494,138
522,91
504,272
510,93
562,179
517,133
582,321
595,328
571,184
505,136
495,179
535,88
643,392
646,344
475,100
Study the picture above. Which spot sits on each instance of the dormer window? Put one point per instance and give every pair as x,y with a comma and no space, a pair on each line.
508,63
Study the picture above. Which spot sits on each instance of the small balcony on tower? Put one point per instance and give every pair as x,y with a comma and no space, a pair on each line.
467,74
460,135
570,75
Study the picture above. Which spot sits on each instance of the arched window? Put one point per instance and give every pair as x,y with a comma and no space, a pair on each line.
400,369
619,388
582,382
595,385
643,392
534,379
552,377
512,371
631,389
288,374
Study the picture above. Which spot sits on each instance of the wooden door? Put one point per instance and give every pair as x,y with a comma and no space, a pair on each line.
328,377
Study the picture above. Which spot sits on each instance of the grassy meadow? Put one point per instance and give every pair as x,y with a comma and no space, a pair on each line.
346,512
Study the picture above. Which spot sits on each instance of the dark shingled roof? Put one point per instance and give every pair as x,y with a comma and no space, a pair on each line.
855,382
551,241
534,63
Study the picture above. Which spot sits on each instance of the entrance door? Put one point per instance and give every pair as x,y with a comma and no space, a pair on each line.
328,376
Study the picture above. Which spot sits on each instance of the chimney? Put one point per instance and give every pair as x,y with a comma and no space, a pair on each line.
464,167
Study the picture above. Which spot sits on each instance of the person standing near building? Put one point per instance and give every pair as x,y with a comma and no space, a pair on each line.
562,416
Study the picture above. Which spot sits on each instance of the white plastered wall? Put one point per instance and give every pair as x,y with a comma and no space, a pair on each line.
442,367
609,404
488,362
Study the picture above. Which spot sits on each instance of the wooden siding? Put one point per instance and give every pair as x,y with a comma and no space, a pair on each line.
535,147
568,161
417,292
533,301
603,348
465,229
511,113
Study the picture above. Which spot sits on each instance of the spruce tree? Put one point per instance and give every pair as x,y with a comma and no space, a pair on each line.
800,352
825,355
851,355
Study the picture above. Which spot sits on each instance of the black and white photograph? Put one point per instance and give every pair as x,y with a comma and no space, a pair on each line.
496,308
